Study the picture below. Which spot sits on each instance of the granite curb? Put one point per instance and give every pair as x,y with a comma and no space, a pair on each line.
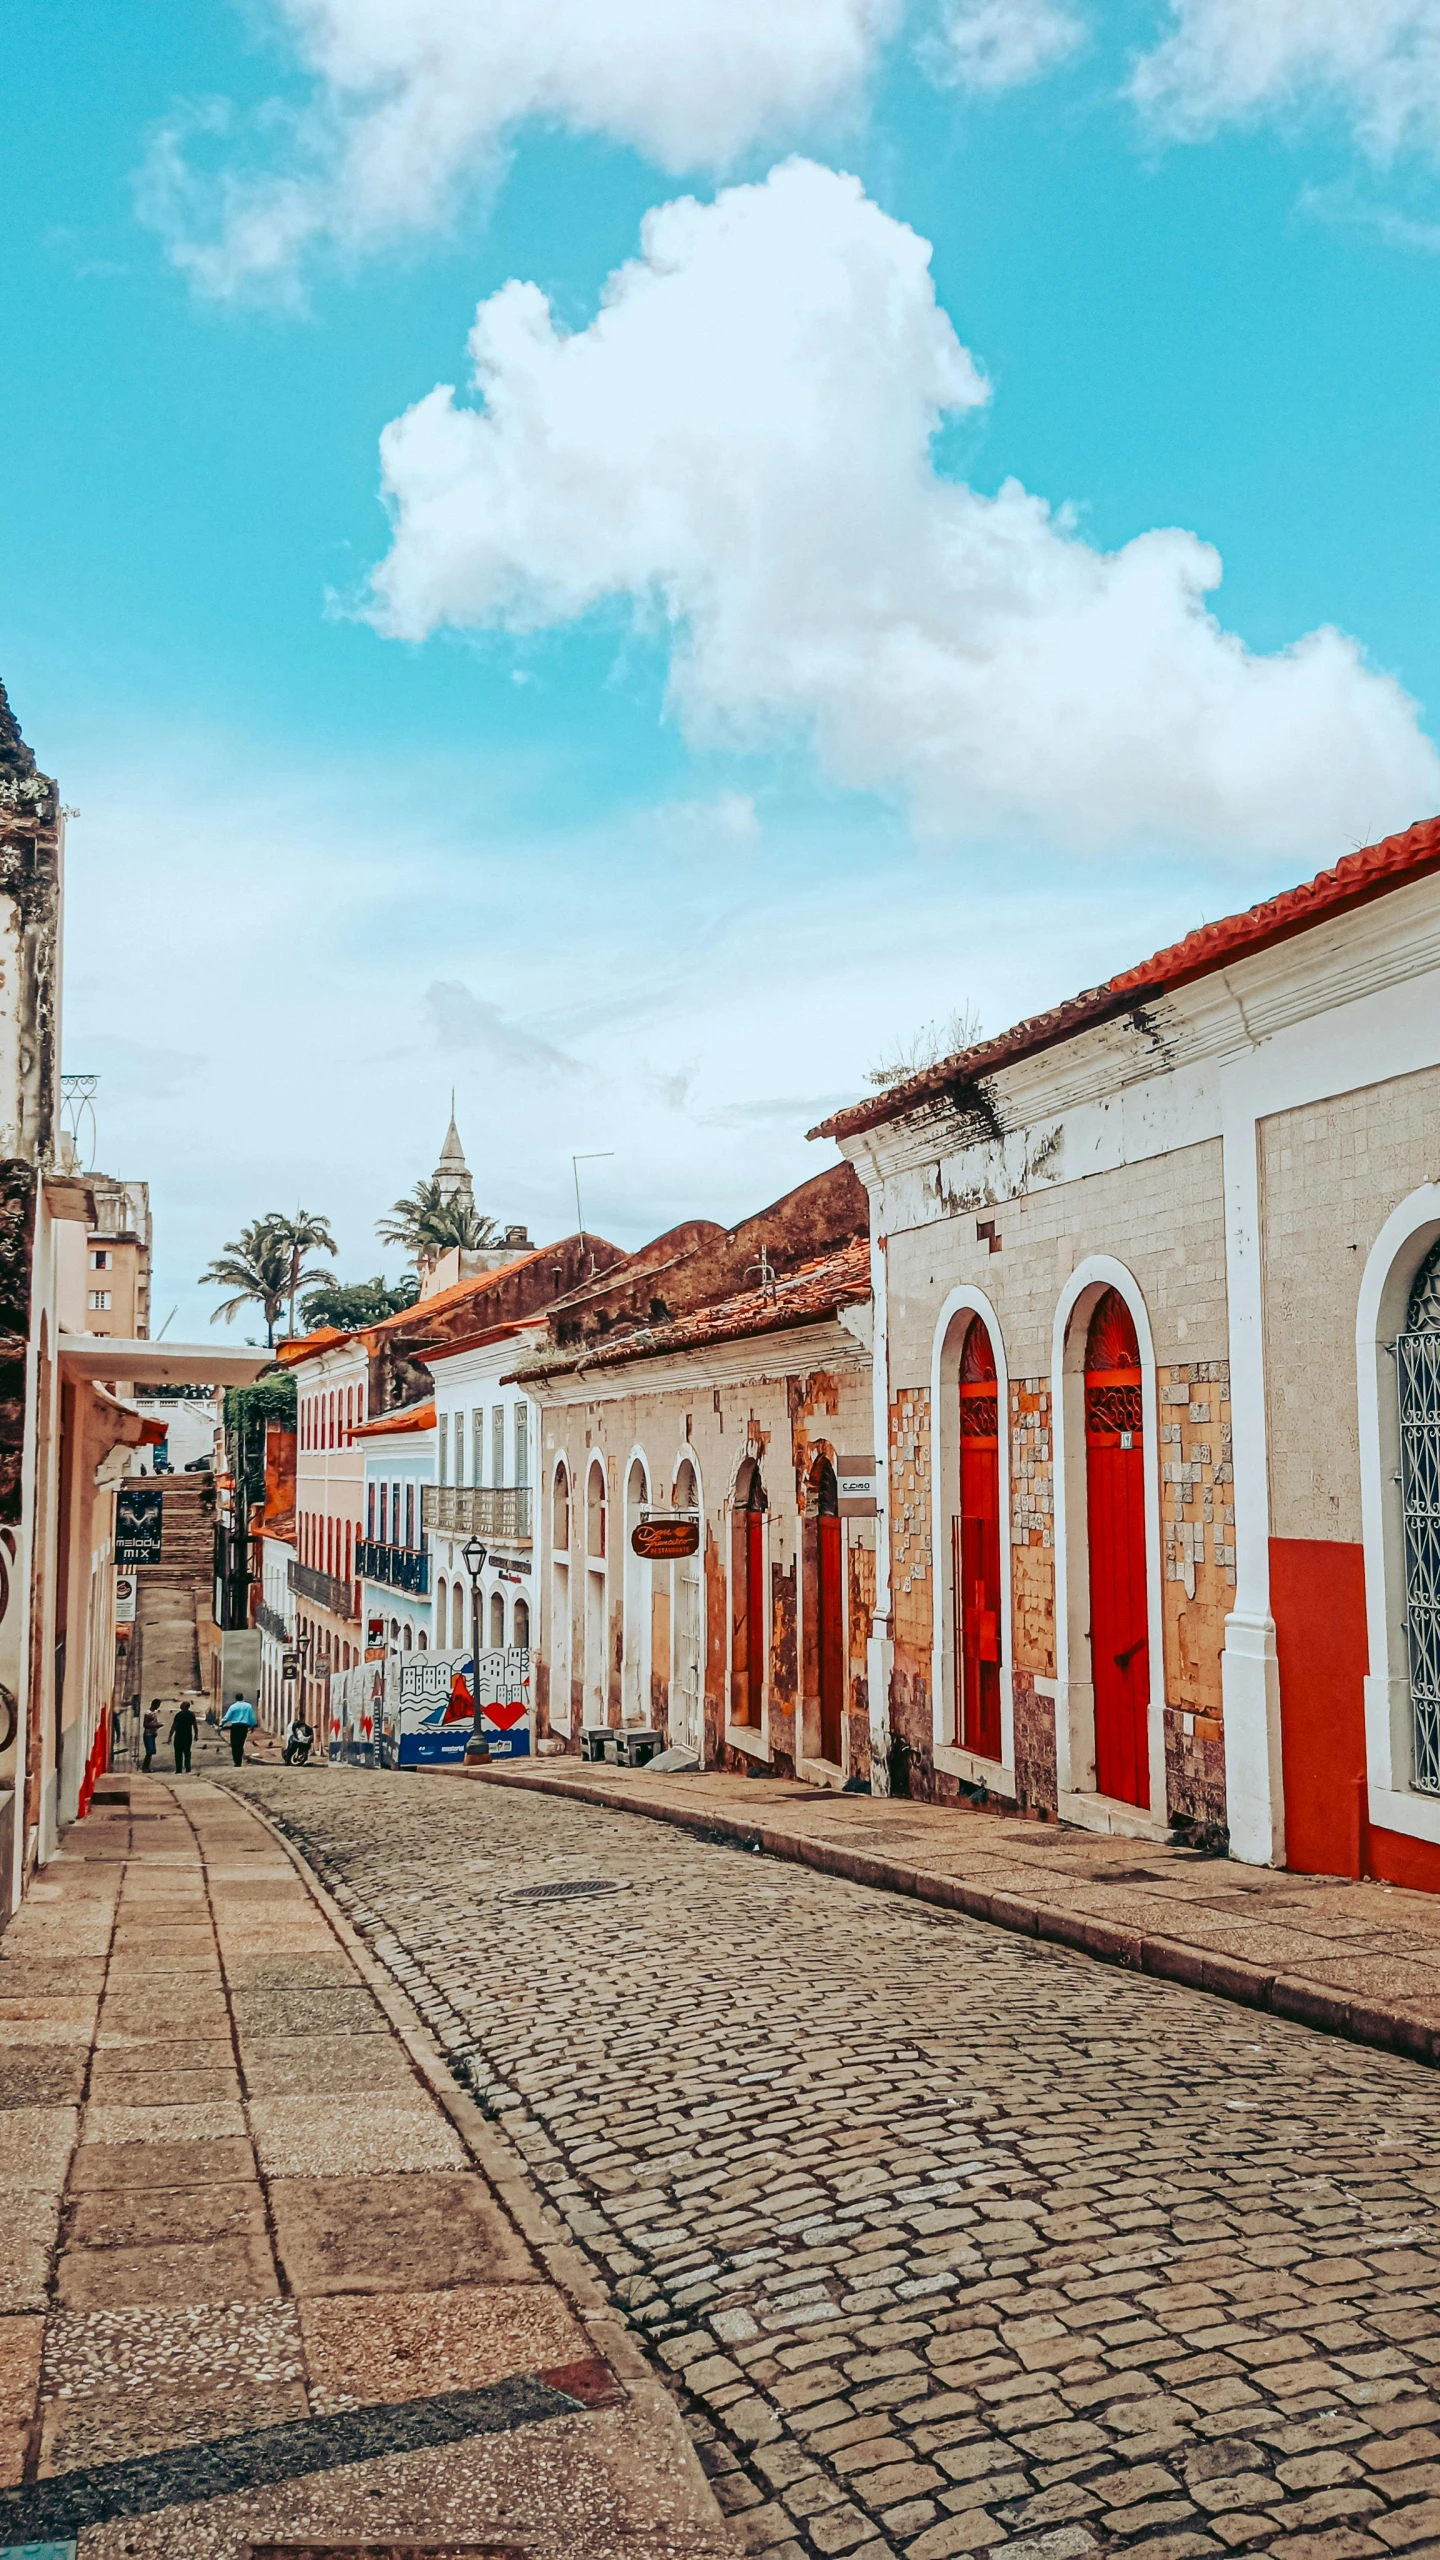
1392,2029
564,2262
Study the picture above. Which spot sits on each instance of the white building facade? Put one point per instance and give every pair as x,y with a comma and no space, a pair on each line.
485,1486
394,1558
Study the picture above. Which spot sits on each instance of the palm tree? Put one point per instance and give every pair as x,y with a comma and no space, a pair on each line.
302,1234
256,1267
427,1224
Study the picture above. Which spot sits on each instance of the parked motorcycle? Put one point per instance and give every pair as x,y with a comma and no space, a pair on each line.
299,1742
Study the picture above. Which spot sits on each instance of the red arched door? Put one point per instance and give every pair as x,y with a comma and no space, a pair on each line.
1115,1490
829,1609
977,1551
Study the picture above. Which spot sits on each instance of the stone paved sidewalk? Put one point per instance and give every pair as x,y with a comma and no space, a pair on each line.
953,2240
266,2273
1358,1960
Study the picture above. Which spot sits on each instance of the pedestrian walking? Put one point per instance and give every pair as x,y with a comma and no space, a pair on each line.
150,1732
237,1721
183,1729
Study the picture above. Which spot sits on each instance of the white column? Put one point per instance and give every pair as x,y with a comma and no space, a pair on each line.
880,1652
1250,1670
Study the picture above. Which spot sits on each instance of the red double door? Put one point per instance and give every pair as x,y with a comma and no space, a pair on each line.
1119,1605
976,1556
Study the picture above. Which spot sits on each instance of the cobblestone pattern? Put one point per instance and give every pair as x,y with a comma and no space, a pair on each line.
951,2242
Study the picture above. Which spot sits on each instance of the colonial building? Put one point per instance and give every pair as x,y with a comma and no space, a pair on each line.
486,1488
716,1383
395,1564
1157,1359
345,1382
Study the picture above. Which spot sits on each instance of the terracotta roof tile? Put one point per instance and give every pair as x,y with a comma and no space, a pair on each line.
816,1290
1353,882
411,1417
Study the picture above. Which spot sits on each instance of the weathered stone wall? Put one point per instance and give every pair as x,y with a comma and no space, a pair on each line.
783,1423
1331,1175
1164,1220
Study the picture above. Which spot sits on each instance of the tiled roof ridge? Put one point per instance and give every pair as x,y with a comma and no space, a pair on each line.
817,1288
1354,881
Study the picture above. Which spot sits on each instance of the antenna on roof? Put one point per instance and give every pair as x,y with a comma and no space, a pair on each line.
766,1270
593,1157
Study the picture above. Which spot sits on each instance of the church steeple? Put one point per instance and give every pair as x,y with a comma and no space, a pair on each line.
452,1174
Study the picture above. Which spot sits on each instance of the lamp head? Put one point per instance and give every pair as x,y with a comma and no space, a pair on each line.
472,1556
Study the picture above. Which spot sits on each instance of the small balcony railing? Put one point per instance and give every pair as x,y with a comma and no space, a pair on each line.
323,1589
271,1622
404,1568
500,1511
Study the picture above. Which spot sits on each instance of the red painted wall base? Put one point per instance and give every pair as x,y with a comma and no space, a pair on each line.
1317,1596
95,1766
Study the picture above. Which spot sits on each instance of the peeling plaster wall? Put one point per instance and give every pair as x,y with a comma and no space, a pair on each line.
782,1421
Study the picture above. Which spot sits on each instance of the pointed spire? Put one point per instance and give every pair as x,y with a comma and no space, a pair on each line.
452,1173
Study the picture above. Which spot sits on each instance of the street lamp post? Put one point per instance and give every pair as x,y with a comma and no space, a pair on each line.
472,1556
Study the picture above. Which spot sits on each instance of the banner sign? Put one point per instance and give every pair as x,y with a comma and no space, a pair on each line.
124,1599
662,1535
139,1517
436,1705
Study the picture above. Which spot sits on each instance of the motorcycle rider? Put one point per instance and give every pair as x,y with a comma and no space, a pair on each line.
298,1740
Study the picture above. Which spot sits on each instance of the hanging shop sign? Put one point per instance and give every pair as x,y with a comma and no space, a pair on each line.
124,1599
855,1483
139,1520
661,1536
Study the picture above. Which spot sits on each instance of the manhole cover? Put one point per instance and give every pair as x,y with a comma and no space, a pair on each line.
568,1889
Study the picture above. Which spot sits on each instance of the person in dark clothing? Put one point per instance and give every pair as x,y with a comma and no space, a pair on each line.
183,1729
150,1732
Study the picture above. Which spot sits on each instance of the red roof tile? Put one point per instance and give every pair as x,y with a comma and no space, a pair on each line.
1354,882
816,1290
411,1417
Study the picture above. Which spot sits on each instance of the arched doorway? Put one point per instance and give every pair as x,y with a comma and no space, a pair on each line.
1115,1511
748,1615
829,1589
1417,1355
635,1646
976,1551
686,1721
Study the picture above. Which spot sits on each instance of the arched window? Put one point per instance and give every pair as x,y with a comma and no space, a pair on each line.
522,1625
635,1651
497,1621
824,1544
457,1617
975,1554
748,1614
557,1639
408,1638
442,1610
597,1680
1417,1359
1115,1515
687,1675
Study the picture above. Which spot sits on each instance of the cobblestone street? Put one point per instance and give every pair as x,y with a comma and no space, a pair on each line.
950,2241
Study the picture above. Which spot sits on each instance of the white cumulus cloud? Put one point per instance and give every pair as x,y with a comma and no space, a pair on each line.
413,99
739,445
1227,61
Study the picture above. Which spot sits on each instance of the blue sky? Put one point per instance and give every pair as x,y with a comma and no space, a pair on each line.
604,845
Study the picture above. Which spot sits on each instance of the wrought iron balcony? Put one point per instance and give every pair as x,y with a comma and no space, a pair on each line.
499,1511
404,1568
271,1622
323,1588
